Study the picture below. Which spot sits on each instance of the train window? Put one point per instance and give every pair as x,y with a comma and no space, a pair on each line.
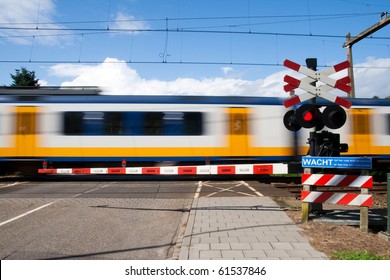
193,123
93,123
388,124
84,123
133,123
26,123
178,123
238,124
113,123
73,123
163,123
361,122
153,123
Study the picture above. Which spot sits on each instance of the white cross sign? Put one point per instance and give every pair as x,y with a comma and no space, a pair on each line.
317,76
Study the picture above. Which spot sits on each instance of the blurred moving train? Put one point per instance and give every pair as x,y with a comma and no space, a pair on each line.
83,128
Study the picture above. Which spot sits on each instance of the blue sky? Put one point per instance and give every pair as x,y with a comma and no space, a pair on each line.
218,47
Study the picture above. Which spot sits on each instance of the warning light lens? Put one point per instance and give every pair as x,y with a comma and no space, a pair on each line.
308,116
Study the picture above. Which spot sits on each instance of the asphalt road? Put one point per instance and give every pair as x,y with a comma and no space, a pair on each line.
91,220
102,219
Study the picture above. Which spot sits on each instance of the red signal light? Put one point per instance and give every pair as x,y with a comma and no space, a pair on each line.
308,116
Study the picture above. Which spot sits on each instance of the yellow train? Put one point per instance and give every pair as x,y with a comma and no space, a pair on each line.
82,128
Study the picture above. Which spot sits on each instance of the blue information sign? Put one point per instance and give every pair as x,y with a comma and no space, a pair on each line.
337,162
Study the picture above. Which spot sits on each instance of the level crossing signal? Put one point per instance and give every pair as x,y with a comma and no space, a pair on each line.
310,116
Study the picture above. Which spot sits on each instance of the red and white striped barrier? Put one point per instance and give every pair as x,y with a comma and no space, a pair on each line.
337,198
337,180
239,169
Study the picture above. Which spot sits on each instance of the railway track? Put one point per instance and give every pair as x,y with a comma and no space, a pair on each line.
295,188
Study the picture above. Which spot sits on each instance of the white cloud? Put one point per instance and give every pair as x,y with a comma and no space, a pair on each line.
226,70
29,14
116,77
128,22
43,83
372,78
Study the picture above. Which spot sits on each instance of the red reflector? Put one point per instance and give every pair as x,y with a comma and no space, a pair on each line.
263,169
81,170
117,170
47,171
186,170
226,170
151,170
308,116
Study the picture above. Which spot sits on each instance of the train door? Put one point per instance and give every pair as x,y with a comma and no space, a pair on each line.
238,130
25,130
361,136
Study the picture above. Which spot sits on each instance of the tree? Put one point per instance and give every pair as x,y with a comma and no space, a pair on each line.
24,78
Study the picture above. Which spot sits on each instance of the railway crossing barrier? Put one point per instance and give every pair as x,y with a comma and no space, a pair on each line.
237,169
364,182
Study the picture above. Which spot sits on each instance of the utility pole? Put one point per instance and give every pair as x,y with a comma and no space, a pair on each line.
384,20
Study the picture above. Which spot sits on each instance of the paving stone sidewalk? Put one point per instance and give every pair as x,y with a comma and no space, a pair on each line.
243,228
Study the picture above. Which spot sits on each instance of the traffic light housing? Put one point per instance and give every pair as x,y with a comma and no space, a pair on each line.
309,116
326,144
334,116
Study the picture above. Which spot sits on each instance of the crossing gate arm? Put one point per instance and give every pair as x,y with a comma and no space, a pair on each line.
234,169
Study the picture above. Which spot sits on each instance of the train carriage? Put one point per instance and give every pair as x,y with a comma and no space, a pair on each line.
81,127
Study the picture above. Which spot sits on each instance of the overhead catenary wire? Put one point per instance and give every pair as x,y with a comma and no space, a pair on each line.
53,29
171,62
213,18
170,30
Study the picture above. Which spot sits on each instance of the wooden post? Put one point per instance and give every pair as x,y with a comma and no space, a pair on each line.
305,205
350,68
364,209
384,20
364,214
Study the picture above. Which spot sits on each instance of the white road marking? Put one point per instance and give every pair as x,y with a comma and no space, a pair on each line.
92,190
198,190
252,189
13,184
226,189
27,213
48,204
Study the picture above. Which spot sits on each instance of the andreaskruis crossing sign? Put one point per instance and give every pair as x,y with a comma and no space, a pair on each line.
315,76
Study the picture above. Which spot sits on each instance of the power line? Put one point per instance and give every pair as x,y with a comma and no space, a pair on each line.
54,29
321,16
170,62
175,30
